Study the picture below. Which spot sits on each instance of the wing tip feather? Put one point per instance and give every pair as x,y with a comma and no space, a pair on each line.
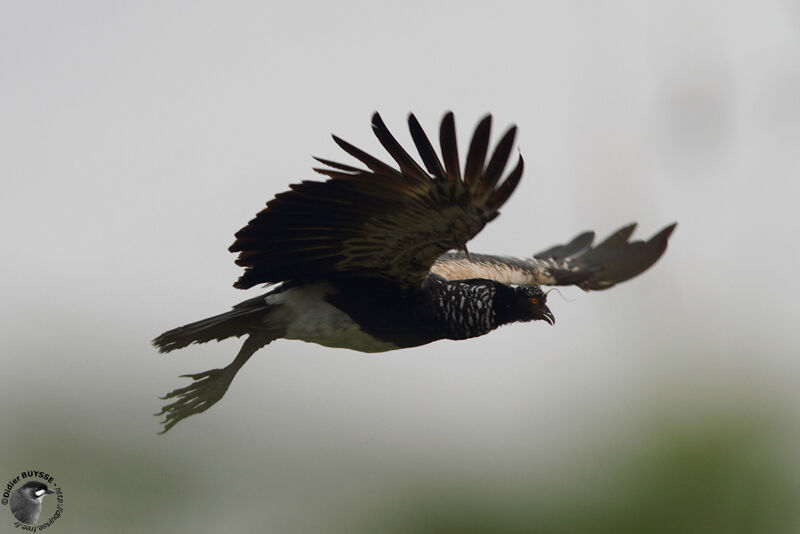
255,242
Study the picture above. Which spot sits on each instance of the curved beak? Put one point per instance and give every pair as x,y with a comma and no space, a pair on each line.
546,315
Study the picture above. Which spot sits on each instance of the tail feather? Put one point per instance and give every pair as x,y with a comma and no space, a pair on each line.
242,319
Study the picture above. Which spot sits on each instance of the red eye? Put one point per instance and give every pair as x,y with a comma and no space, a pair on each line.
534,300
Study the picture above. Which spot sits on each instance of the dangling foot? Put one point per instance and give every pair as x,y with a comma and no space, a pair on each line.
208,388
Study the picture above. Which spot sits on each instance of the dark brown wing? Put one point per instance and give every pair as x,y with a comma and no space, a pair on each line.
382,221
577,263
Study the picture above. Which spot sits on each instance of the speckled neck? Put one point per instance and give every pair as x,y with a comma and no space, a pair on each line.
466,309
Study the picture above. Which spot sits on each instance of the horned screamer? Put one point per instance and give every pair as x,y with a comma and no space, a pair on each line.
361,260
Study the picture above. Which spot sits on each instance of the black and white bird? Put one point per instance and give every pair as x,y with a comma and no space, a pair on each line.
26,502
361,261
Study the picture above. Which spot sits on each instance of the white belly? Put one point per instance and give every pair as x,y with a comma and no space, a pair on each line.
310,318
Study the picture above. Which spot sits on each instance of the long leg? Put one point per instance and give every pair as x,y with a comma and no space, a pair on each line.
209,386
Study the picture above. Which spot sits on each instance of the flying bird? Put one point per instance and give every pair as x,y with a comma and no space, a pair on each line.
26,502
361,261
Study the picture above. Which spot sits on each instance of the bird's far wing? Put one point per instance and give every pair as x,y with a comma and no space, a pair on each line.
381,221
577,263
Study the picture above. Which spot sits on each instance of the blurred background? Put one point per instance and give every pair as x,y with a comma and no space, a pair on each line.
136,138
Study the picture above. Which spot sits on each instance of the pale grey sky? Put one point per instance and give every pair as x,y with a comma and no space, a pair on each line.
136,138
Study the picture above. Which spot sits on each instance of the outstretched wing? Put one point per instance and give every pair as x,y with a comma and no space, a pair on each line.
382,221
577,263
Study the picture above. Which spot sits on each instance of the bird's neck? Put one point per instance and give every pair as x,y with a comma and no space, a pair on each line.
466,309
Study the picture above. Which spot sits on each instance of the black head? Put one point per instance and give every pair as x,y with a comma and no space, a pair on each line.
527,303
35,489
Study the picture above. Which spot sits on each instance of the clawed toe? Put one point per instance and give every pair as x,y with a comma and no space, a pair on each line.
212,373
208,388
